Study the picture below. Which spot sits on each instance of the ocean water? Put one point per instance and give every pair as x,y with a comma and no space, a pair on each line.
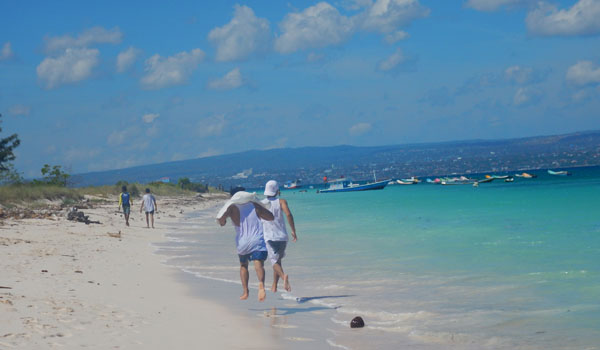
502,266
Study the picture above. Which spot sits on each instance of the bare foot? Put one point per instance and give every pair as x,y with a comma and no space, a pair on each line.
244,296
274,288
286,283
261,294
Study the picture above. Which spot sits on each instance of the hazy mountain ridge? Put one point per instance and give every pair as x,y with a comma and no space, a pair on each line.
392,161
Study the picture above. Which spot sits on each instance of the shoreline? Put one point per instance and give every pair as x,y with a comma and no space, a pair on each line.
298,320
73,285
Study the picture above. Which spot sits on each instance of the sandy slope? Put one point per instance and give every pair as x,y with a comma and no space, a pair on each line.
75,286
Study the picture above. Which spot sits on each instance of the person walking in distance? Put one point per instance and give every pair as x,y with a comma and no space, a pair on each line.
125,202
149,206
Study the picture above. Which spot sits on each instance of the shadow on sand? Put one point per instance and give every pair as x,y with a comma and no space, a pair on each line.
284,311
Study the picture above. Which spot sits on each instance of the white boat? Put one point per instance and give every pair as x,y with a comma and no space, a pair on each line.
345,185
559,173
290,185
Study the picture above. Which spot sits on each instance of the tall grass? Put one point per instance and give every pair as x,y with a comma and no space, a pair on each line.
24,193
28,193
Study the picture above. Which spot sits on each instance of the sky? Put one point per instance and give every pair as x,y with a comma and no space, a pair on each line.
97,85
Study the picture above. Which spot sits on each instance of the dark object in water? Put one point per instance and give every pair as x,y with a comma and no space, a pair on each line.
357,322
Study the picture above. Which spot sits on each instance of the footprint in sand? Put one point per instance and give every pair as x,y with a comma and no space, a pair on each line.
284,326
299,339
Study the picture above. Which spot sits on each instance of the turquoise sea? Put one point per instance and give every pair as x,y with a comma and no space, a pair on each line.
502,266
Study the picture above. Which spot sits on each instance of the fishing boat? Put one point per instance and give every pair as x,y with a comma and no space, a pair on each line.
463,180
410,180
404,182
559,173
526,175
290,185
345,185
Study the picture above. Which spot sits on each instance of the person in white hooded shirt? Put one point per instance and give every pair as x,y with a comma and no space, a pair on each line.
275,232
246,214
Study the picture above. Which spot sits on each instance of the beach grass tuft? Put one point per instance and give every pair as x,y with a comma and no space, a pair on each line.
28,193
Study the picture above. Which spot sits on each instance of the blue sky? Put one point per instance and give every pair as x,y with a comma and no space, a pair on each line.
112,84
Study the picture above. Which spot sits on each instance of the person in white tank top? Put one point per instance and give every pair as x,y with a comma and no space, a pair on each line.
275,233
247,217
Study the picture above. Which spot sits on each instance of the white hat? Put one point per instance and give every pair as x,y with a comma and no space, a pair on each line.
271,188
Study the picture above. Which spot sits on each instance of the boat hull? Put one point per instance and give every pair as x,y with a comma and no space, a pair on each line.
366,187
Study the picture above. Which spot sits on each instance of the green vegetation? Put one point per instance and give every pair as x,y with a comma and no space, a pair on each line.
186,184
7,145
27,193
31,192
54,175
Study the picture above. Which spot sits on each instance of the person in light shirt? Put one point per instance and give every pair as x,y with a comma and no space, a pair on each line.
276,236
149,206
246,213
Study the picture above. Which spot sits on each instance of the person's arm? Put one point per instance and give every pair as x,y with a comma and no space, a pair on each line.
229,213
223,219
155,205
290,218
130,200
120,200
263,213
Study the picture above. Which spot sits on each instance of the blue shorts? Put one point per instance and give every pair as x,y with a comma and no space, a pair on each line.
255,255
126,209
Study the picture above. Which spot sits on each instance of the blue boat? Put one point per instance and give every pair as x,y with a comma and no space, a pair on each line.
345,185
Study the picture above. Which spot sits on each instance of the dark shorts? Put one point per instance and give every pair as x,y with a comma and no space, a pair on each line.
150,212
256,255
276,250
126,209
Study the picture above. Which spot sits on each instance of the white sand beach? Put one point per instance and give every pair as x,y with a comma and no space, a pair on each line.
69,285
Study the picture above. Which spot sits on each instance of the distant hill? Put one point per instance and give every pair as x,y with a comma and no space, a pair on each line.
253,168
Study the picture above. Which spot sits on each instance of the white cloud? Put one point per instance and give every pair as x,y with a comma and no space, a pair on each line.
212,126
6,53
19,110
231,80
127,58
359,129
518,74
491,5
242,37
71,66
526,95
174,70
320,25
392,62
583,18
95,35
583,73
385,16
396,36
355,4
149,118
